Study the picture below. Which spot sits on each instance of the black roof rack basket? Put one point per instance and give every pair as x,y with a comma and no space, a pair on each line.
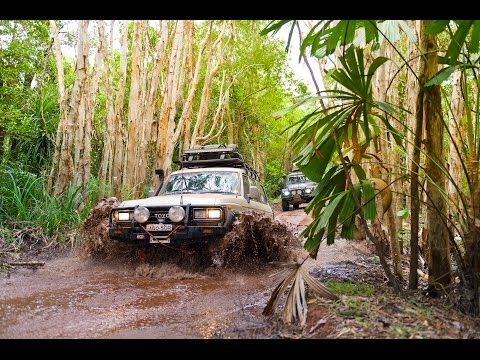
215,155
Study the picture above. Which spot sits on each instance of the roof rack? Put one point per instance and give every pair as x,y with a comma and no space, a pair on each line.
215,155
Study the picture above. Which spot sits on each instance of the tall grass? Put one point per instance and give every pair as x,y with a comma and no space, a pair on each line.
24,202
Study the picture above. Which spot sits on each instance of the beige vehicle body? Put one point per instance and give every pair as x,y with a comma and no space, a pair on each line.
193,205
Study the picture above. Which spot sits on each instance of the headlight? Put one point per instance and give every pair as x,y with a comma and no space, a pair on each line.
308,190
286,192
176,213
214,213
207,214
141,214
200,213
121,216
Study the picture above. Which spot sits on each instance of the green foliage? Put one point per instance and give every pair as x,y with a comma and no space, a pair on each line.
6,235
352,307
403,213
273,179
349,288
320,137
28,93
24,202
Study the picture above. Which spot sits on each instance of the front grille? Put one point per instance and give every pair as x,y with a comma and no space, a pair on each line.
157,216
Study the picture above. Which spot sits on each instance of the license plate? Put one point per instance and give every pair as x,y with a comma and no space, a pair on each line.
159,227
158,240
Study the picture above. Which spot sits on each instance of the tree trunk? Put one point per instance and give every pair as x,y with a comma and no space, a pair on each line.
414,167
62,101
133,108
120,141
439,255
84,162
455,145
211,71
82,126
186,117
168,111
107,158
75,113
383,77
151,99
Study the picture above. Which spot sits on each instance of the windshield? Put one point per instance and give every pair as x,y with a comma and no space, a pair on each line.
206,182
296,179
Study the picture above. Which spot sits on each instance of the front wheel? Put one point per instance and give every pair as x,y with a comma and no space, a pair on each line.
285,205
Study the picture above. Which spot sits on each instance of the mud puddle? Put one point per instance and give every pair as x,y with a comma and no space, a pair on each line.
98,301
107,290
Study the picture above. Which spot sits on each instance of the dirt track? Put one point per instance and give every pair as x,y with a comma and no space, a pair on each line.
71,297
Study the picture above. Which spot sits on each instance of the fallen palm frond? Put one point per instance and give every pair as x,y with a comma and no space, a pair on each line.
295,307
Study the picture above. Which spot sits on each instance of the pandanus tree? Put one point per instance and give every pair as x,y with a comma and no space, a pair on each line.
331,142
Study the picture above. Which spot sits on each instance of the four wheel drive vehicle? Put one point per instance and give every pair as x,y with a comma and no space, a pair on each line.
195,204
297,189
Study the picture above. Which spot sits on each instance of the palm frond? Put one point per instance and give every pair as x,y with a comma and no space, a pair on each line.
296,307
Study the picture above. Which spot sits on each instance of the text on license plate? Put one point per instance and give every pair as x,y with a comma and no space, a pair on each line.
159,227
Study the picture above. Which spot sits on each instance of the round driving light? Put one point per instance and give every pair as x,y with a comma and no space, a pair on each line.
308,191
176,213
141,214
286,192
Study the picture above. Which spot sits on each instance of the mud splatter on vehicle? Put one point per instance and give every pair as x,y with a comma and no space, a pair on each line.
254,240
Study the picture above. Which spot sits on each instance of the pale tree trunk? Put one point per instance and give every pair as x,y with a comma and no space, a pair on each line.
105,170
190,73
84,161
456,144
184,69
413,152
411,92
119,134
394,176
80,117
168,109
190,63
62,101
186,117
223,99
230,125
75,113
142,128
382,79
133,107
439,255
151,95
212,69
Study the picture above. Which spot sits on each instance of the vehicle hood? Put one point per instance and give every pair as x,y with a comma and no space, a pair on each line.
192,199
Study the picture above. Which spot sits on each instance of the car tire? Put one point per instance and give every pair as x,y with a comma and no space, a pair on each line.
285,205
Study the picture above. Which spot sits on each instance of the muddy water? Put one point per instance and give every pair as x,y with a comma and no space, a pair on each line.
92,300
74,297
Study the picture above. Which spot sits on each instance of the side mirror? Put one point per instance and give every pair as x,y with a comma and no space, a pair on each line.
161,176
254,194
